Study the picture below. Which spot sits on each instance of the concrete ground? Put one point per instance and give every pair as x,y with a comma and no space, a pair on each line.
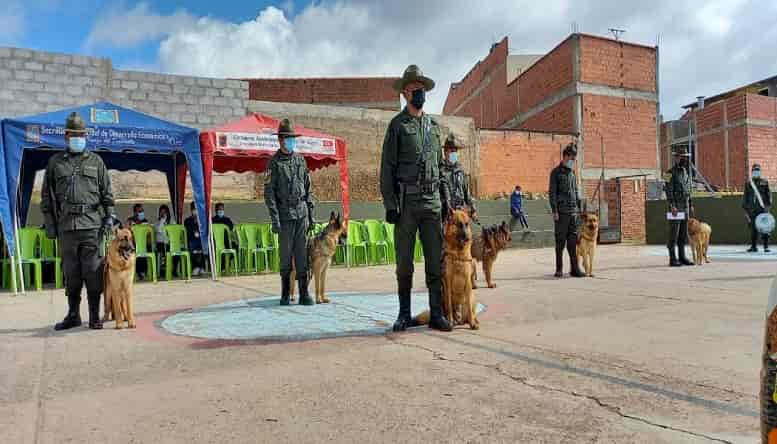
641,353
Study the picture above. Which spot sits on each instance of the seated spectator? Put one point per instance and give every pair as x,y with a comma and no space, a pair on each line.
516,209
162,242
220,218
195,243
139,217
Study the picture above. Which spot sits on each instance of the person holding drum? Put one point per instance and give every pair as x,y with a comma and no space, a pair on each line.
756,203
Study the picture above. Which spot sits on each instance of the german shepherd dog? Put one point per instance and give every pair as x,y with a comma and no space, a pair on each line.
321,248
586,243
459,304
118,277
700,233
485,249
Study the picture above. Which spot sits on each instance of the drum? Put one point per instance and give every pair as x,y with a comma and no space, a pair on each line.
764,223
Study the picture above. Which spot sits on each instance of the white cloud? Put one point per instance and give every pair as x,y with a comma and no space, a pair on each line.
123,28
11,22
707,46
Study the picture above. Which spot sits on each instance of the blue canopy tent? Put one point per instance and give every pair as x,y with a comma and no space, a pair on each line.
124,139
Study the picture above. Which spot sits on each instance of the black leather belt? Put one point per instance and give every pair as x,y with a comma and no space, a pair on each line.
80,208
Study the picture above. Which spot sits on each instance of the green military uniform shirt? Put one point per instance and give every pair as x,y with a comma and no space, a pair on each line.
458,188
400,164
678,188
562,191
287,188
75,187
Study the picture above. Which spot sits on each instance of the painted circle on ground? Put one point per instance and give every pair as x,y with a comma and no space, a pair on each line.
349,314
726,252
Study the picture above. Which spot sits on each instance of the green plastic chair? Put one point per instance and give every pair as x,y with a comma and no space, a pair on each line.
376,242
389,230
176,235
49,250
419,249
357,246
256,256
223,252
30,257
238,237
269,241
144,236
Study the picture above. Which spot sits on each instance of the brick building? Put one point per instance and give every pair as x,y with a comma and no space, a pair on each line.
360,92
603,91
727,133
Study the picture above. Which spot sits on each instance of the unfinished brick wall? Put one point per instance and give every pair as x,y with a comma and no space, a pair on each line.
633,194
559,117
629,129
547,76
617,64
510,157
367,92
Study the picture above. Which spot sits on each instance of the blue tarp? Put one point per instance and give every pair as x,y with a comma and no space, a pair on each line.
125,139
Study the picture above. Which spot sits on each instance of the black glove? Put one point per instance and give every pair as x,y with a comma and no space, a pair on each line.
107,224
311,224
392,216
276,228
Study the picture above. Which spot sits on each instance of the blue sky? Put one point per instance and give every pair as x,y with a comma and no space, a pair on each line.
707,46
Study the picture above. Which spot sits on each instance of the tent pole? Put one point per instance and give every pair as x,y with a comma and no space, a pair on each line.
18,252
212,249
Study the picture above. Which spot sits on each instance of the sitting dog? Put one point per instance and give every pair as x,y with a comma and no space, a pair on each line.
118,275
459,303
321,248
699,234
586,243
486,247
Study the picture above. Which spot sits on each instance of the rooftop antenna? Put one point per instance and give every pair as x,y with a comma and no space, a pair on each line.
616,33
573,27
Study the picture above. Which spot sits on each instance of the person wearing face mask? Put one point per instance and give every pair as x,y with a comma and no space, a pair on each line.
77,205
139,217
679,185
192,226
453,176
413,193
221,218
565,206
290,202
160,234
754,206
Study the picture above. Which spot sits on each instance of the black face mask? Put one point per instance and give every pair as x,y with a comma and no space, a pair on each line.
418,99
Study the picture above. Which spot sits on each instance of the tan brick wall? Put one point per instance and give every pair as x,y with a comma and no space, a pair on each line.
629,129
739,171
617,64
761,107
762,147
358,91
548,75
710,158
513,157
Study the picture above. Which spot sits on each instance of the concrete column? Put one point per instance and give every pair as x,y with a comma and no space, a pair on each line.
578,115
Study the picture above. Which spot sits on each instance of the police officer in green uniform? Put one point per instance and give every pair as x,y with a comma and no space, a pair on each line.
753,208
565,206
76,203
413,191
453,176
678,197
290,201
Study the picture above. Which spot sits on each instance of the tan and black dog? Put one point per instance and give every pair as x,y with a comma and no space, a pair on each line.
586,243
486,248
459,304
321,248
118,275
699,234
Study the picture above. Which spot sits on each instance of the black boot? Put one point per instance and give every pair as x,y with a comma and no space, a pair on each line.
559,261
304,296
95,323
437,320
574,263
73,318
681,255
285,289
673,262
404,320
766,244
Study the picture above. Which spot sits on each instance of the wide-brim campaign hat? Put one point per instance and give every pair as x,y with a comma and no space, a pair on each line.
453,143
681,151
75,124
413,74
286,129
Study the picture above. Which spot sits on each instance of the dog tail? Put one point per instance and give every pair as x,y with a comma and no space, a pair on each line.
422,319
